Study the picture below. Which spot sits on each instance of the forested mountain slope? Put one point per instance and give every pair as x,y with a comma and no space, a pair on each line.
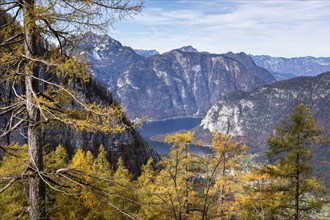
251,116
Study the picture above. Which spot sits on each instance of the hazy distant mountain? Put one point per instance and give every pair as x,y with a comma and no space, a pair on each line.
283,76
285,68
181,84
146,53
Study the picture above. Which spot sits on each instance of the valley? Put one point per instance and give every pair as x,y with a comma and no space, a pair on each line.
185,83
186,117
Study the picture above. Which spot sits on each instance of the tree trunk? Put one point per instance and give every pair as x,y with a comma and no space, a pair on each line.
186,182
222,188
296,214
36,184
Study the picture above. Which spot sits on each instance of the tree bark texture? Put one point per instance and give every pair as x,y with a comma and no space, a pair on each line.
36,184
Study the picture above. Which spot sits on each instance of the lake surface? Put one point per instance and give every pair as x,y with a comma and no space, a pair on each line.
169,126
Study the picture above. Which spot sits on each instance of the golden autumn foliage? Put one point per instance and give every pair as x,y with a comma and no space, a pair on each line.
221,185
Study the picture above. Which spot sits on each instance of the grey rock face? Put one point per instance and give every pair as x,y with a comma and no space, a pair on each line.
249,64
181,84
285,68
108,57
252,115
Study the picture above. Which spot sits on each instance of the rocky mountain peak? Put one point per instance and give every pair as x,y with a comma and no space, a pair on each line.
188,48
108,57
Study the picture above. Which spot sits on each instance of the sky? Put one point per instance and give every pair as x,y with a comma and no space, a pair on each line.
286,28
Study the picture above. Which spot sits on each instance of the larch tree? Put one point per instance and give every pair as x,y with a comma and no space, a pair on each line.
39,72
221,172
289,150
168,194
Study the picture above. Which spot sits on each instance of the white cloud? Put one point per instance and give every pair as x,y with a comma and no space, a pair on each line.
282,28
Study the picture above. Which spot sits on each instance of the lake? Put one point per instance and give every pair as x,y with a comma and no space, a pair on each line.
169,126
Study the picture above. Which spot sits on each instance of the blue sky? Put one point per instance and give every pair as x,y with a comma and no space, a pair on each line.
279,28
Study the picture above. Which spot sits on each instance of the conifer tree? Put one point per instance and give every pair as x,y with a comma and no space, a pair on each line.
289,150
33,58
171,190
12,199
122,194
222,172
101,165
146,185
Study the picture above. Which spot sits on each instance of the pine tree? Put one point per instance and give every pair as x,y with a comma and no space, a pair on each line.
57,159
289,150
171,191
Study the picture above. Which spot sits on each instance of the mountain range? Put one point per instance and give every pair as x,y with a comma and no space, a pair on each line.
184,82
286,68
179,83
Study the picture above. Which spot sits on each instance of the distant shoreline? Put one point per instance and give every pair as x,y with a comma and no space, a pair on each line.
174,118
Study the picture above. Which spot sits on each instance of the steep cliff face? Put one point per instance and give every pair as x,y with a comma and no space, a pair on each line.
285,68
252,115
249,64
180,83
129,145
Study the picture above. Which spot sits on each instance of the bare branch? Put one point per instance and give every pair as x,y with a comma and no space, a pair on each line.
12,40
11,182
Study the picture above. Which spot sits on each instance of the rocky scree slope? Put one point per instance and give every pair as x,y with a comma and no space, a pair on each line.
184,84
